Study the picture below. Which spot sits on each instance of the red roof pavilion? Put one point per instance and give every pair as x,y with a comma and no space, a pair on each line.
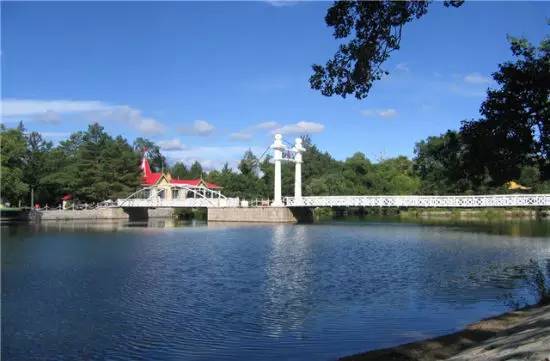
150,178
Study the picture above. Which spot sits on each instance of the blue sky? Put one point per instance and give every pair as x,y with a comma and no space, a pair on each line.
209,80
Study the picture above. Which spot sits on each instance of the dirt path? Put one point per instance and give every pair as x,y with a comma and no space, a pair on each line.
518,335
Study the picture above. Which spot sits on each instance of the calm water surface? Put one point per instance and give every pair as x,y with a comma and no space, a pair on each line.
236,292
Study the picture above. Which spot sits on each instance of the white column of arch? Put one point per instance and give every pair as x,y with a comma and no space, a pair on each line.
278,148
298,150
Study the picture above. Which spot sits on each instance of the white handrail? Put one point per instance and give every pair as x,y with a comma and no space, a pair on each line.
458,201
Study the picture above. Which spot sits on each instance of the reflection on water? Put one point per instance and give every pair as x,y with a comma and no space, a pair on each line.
513,227
165,289
115,224
287,299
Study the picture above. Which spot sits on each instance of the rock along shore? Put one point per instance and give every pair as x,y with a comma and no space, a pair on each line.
517,335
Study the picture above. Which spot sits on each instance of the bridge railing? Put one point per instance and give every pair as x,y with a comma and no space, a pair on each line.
459,201
155,202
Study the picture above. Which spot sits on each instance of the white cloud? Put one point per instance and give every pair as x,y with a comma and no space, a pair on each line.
266,125
203,127
383,113
402,67
248,133
131,116
388,113
51,111
55,134
199,127
281,3
26,107
171,144
466,91
150,126
476,78
302,127
240,136
48,116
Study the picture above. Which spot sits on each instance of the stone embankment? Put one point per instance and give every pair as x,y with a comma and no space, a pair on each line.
94,214
485,213
514,336
222,214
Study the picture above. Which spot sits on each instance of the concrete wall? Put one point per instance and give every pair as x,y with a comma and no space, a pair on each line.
161,212
100,213
230,214
106,213
260,214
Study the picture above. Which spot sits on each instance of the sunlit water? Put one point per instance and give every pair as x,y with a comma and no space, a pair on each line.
262,292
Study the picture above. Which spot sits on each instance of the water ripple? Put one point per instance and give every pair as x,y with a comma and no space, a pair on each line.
249,292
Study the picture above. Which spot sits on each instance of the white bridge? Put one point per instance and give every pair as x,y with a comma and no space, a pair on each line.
477,201
181,196
178,195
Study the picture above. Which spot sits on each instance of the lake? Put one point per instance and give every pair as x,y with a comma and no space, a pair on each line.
197,291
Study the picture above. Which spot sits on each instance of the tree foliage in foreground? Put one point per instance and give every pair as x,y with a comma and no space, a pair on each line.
372,30
511,140
514,131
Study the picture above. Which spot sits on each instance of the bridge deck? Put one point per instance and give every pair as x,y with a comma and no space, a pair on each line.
474,201
178,203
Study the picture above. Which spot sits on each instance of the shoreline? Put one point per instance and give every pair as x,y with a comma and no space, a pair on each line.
515,335
415,214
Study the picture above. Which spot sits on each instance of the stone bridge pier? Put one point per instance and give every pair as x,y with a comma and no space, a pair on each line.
137,213
261,215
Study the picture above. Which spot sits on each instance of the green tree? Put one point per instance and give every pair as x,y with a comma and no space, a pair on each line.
61,175
439,164
35,160
373,30
359,173
91,183
120,168
92,166
529,176
196,170
14,187
147,148
249,164
267,170
179,171
514,130
328,184
316,165
396,176
227,179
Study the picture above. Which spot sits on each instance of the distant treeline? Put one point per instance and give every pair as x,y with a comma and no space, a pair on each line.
510,141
